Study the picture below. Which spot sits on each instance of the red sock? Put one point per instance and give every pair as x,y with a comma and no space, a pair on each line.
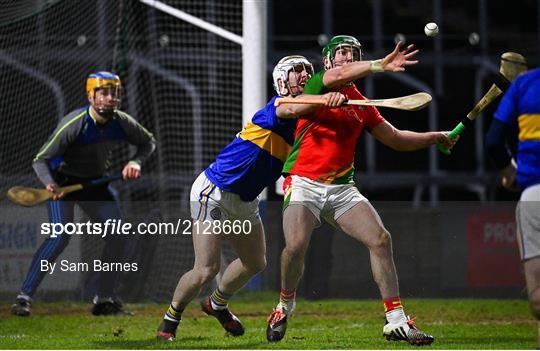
285,295
392,303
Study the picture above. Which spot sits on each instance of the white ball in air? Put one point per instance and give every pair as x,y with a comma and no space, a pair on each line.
431,29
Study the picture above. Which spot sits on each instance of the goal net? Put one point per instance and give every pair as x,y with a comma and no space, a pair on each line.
183,83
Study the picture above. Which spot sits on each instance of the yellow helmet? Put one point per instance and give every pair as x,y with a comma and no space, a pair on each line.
104,80
100,80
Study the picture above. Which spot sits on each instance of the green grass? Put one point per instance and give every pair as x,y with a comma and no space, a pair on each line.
328,324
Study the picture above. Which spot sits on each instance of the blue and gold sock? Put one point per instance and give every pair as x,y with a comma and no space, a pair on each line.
172,319
219,299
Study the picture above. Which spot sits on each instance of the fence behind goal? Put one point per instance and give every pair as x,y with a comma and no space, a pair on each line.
182,83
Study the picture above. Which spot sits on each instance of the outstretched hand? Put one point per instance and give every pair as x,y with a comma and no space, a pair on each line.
397,60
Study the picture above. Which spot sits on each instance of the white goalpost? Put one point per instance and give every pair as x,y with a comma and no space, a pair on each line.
253,57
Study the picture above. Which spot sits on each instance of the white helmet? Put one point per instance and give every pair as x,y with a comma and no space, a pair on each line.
282,69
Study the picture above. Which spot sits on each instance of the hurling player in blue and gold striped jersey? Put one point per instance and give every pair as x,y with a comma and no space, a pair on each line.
519,113
519,110
227,192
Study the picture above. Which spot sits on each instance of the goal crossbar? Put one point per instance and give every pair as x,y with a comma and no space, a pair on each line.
195,21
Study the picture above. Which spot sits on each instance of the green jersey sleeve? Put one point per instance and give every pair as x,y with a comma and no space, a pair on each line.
315,84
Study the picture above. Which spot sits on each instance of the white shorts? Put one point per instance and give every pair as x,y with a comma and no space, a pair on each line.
209,202
329,201
528,221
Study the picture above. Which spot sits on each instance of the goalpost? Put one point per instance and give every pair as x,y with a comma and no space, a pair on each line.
254,57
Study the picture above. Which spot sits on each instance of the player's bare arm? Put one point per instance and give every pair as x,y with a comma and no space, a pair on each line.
342,75
405,140
396,61
332,99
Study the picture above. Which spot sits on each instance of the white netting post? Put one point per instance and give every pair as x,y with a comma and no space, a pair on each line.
254,15
254,57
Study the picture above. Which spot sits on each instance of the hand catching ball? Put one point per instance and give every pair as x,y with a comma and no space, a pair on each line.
431,29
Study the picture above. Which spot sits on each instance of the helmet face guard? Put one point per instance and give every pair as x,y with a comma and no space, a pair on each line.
341,42
102,84
280,75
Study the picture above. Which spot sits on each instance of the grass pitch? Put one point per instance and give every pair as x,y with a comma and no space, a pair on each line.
326,324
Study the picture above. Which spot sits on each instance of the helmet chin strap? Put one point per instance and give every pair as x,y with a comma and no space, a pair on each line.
297,91
107,113
289,86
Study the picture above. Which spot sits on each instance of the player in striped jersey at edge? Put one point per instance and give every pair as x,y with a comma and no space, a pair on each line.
518,115
227,191
78,151
320,176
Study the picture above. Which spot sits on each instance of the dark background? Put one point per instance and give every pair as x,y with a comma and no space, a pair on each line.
178,78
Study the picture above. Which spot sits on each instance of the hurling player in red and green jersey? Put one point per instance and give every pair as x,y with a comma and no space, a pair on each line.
320,176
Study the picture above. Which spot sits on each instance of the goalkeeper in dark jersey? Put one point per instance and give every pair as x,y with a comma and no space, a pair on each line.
320,182
78,151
